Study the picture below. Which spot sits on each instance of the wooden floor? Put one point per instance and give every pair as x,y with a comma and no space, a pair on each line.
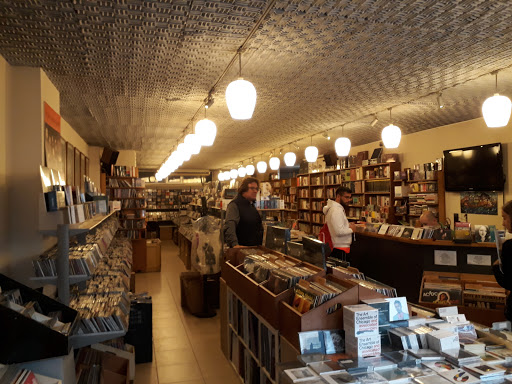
186,349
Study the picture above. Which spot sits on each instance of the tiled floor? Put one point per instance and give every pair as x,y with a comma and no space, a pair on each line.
186,349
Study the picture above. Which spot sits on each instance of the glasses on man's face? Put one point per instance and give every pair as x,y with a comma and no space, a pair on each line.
254,188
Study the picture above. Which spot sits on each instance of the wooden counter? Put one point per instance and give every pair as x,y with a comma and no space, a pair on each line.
400,262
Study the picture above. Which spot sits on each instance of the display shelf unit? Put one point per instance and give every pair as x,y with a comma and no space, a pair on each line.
253,345
133,207
63,233
421,191
25,339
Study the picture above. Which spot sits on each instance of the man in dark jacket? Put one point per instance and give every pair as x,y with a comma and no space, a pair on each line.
243,225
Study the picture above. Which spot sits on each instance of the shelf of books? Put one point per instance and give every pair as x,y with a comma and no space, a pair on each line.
426,192
130,191
253,344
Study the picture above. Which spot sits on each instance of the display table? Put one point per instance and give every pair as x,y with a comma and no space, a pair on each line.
400,262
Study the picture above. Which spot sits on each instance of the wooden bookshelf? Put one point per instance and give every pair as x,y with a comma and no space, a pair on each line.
421,193
130,190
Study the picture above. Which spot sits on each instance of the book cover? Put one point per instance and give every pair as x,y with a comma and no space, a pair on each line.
300,374
398,309
459,376
312,342
339,378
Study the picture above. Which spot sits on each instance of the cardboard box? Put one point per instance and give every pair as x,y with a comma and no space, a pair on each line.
128,355
153,255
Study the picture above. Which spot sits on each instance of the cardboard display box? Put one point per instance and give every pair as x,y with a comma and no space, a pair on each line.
153,255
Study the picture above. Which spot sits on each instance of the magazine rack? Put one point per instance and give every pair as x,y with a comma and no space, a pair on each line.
25,339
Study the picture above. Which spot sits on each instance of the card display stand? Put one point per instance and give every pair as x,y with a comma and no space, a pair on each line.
25,339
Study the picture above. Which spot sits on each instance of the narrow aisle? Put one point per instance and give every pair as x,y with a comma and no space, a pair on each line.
186,349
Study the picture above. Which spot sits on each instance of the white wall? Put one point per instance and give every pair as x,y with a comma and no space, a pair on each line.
70,135
426,146
23,91
94,164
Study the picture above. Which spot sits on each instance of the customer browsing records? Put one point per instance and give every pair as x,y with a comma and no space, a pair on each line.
340,229
243,226
503,271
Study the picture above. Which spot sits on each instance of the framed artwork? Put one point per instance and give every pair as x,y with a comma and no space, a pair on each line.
479,203
62,169
77,168
82,172
87,166
70,164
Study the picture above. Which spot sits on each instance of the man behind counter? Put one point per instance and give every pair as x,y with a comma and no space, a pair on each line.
428,219
243,225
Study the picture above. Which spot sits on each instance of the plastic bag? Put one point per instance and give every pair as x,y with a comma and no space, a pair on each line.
206,245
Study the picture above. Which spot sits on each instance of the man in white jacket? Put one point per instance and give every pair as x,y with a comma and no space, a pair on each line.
339,227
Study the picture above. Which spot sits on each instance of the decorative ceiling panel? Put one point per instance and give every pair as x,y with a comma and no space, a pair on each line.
132,74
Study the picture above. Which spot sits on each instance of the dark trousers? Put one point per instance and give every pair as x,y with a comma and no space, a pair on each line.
340,255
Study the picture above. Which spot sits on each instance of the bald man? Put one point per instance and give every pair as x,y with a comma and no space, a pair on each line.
428,219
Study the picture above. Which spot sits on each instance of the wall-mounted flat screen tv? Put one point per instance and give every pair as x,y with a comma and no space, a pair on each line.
478,168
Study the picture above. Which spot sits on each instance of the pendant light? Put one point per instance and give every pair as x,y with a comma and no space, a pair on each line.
185,151
242,171
289,159
250,169
233,174
274,162
227,175
206,130
261,166
221,176
496,109
194,143
241,96
342,144
391,134
311,152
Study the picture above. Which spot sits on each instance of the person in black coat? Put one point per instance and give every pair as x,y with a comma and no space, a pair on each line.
243,225
503,272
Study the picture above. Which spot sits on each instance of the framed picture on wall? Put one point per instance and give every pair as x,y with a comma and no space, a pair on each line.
62,169
82,172
87,167
70,164
77,168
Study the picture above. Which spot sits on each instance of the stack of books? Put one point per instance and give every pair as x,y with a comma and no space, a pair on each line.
361,324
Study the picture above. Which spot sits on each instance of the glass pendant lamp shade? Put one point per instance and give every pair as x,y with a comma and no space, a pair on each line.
206,130
242,172
221,176
342,146
311,154
250,170
289,159
233,174
193,143
274,163
262,167
227,175
391,136
178,158
496,111
241,99
185,151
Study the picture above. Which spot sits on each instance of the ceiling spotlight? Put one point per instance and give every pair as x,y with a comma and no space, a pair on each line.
374,121
440,103
326,135
241,96
208,102
496,109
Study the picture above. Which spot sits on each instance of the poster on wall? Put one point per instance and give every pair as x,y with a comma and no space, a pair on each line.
52,139
70,164
479,203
